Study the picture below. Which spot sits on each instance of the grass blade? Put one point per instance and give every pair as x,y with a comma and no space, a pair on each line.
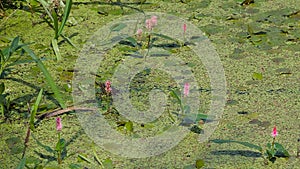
34,109
45,6
56,49
67,11
48,77
55,22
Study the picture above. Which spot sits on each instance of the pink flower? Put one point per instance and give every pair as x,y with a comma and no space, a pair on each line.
58,124
184,28
108,86
186,89
154,20
139,33
274,133
150,23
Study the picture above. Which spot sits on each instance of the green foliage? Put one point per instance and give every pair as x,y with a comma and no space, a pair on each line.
129,126
47,75
257,76
199,163
58,28
253,146
273,151
34,110
60,145
117,27
4,102
22,163
5,55
276,150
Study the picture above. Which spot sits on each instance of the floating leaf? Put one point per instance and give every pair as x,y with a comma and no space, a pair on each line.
199,163
201,117
75,166
108,164
283,71
219,141
117,27
129,126
14,145
281,151
257,76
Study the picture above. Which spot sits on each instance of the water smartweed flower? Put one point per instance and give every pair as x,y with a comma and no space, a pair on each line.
186,89
108,86
58,124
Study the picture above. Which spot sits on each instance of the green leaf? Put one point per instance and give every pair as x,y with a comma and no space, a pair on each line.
55,22
132,41
60,145
75,166
108,164
250,145
48,77
14,45
97,158
187,109
82,157
14,144
257,76
281,151
22,163
117,27
2,88
66,14
199,163
34,110
56,49
175,94
201,117
129,126
45,6
47,148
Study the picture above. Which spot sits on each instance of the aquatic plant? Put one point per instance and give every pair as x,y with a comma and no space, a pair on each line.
273,150
4,101
59,29
61,143
7,63
53,11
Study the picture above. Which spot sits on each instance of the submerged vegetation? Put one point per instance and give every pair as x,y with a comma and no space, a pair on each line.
258,44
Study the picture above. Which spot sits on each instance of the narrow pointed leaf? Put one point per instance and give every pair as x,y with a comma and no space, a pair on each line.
67,11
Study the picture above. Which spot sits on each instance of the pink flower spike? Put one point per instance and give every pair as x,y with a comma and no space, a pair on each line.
274,133
139,33
154,20
58,124
184,28
148,24
108,86
186,89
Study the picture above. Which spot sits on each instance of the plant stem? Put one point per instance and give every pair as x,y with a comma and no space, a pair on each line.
59,151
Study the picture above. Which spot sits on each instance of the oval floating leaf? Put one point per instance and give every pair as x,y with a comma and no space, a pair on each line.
199,163
117,27
129,126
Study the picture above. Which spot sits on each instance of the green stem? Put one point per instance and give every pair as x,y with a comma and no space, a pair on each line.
59,151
